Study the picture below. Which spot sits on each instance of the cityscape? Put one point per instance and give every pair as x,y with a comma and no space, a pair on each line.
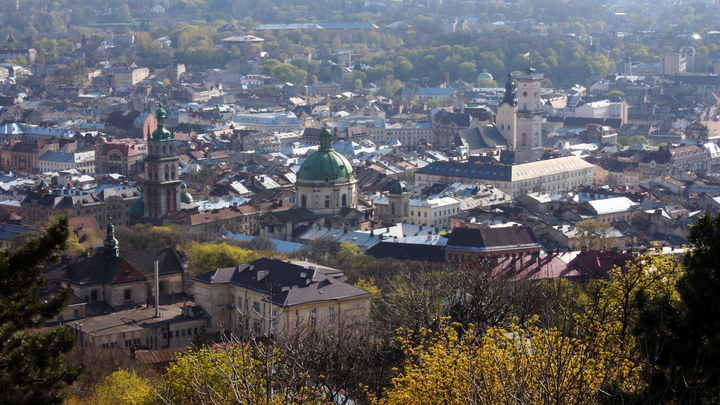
390,202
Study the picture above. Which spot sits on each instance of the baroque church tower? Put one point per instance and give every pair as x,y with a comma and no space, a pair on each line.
162,172
506,112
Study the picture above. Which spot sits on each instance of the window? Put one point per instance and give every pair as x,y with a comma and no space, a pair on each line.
93,296
256,307
312,321
128,343
327,201
256,328
161,286
331,308
331,318
177,333
127,294
303,200
313,311
344,200
76,314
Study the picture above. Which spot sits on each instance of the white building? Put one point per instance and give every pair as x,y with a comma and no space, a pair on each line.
55,161
269,122
410,133
435,212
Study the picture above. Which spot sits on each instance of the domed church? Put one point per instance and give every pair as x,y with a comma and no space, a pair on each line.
326,195
326,181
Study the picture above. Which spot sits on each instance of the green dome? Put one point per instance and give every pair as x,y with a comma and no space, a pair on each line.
326,162
398,188
138,207
185,197
485,75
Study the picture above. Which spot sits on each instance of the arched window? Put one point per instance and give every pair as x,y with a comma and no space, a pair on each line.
392,208
327,201
344,200
303,201
172,172
523,140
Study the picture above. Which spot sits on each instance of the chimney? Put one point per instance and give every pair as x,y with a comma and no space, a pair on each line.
81,334
184,307
372,233
157,289
583,249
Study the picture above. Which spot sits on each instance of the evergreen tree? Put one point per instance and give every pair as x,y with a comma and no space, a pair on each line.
681,333
32,363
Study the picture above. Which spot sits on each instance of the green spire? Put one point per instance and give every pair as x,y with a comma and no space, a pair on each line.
325,139
161,132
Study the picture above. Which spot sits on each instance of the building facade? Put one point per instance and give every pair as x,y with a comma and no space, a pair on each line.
275,298
549,176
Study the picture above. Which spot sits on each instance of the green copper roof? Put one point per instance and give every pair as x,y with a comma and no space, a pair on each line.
161,132
326,162
138,207
398,188
184,195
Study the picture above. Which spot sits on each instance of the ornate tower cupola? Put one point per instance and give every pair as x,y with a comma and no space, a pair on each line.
110,244
162,171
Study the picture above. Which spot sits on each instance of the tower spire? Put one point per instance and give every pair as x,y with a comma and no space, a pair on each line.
325,139
510,94
110,243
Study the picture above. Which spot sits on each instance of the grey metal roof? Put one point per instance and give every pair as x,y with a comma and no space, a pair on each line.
472,171
286,283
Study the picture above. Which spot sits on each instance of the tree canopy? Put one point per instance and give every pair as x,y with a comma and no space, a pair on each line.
33,369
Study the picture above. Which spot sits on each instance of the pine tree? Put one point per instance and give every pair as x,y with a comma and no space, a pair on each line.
680,333
32,362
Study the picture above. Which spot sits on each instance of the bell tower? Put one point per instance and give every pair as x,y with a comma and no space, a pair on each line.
162,172
528,136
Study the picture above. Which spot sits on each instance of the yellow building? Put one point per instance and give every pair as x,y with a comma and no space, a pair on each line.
271,297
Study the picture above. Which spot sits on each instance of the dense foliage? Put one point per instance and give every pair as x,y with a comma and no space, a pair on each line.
33,369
